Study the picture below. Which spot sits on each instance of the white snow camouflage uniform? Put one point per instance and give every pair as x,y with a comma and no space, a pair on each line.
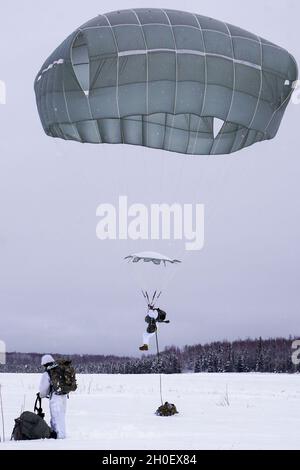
57,405
147,336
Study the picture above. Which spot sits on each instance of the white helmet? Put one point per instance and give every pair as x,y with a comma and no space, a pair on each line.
47,359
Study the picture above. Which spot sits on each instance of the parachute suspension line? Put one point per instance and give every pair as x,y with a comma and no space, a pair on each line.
146,296
159,368
157,296
154,299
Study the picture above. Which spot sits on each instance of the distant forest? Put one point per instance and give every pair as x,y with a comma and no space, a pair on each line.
259,355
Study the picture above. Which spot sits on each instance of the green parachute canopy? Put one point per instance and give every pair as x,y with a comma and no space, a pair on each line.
161,79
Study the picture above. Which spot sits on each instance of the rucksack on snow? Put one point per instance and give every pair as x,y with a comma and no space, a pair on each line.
168,409
62,377
31,426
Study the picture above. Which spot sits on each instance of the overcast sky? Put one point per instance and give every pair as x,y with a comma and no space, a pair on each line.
61,289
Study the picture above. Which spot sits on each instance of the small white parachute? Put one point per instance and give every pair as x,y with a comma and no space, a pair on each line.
153,271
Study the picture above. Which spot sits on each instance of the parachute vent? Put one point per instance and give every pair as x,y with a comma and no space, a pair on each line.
81,62
217,126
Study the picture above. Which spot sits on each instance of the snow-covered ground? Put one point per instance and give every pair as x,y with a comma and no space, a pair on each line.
217,411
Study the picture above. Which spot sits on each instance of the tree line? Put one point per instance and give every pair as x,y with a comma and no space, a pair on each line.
251,355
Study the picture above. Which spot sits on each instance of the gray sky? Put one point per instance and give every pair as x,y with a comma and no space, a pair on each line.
61,289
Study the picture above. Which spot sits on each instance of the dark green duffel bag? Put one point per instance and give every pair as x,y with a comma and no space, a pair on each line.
31,426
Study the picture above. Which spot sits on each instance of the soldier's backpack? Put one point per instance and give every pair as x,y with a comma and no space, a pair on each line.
161,315
62,377
168,409
31,426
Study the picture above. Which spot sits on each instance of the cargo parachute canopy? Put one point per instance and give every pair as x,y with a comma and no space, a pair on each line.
165,79
152,272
